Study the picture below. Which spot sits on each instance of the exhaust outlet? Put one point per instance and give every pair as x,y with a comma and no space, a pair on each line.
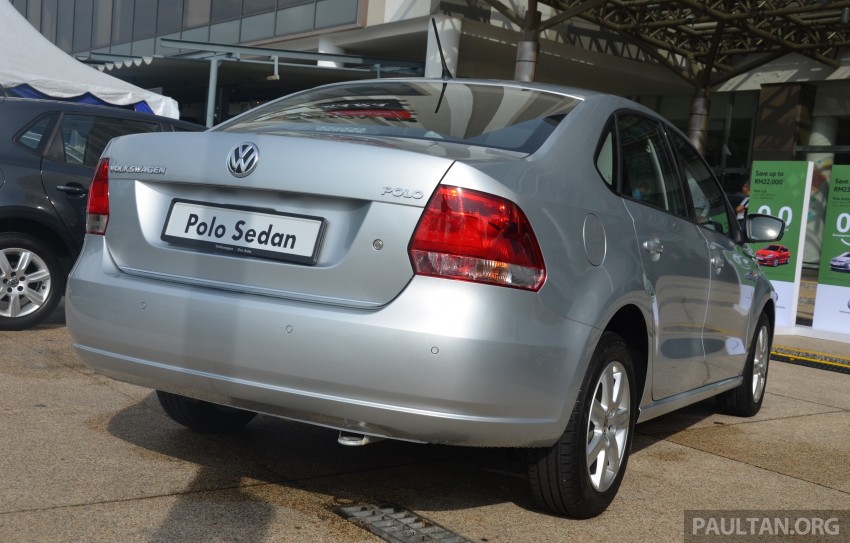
350,439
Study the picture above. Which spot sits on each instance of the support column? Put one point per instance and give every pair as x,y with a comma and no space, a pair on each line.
528,48
698,121
449,30
824,133
783,120
327,46
211,91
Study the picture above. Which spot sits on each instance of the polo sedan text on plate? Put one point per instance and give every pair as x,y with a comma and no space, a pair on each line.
244,231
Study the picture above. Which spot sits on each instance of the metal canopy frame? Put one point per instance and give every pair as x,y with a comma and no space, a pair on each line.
216,53
704,42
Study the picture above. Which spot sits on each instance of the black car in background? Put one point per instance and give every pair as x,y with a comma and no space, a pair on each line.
48,152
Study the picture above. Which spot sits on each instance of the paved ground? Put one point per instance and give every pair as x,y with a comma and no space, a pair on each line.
83,458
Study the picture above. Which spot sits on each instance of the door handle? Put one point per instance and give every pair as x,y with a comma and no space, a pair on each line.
73,189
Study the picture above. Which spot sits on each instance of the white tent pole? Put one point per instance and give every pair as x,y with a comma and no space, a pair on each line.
214,62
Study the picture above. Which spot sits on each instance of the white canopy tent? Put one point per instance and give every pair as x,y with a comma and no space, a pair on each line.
29,62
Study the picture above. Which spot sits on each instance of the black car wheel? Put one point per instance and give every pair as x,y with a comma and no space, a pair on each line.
746,399
31,279
203,416
581,473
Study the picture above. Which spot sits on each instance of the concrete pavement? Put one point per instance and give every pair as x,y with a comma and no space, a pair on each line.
84,458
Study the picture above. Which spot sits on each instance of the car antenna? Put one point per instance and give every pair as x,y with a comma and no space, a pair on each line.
447,74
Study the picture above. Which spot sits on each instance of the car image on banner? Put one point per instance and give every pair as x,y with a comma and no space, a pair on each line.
840,263
440,261
773,255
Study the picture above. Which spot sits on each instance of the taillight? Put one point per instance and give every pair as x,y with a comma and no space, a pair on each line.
472,236
97,210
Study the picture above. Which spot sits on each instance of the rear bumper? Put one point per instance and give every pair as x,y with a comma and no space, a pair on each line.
445,362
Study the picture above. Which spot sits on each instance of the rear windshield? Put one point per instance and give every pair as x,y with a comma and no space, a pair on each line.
509,118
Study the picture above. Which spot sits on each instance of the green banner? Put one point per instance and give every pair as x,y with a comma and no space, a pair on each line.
835,255
779,189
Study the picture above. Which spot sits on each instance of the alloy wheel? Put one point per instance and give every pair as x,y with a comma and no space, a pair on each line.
25,282
608,426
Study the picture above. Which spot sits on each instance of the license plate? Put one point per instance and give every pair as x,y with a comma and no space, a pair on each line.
244,231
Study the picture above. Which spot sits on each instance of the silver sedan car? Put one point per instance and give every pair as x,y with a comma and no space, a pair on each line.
442,261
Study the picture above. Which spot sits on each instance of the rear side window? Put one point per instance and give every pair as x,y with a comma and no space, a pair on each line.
36,134
606,158
83,137
508,118
648,174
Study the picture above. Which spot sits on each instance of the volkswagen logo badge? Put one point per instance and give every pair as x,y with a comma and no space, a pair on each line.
242,159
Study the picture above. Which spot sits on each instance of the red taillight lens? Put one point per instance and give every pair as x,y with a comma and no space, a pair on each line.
97,210
473,236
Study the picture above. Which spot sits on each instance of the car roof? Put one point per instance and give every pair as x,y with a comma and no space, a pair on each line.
40,104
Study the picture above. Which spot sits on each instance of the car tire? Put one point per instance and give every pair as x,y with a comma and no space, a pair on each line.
32,281
203,416
775,262
580,474
746,399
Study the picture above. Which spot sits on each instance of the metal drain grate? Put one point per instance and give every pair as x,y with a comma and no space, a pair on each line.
397,525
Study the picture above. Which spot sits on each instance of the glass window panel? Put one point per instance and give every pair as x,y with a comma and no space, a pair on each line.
257,27
287,3
257,6
21,6
480,115
144,20
36,134
48,20
708,201
84,136
122,21
83,25
335,13
648,172
102,33
295,19
605,158
197,13
223,10
144,48
33,12
227,32
65,25
197,34
169,16
125,49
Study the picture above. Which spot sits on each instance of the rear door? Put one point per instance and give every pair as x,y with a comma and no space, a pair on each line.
69,161
732,275
673,252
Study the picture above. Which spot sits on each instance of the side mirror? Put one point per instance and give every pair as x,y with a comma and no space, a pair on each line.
764,228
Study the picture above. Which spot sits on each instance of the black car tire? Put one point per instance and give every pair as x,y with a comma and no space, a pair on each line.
745,400
28,269
561,477
203,416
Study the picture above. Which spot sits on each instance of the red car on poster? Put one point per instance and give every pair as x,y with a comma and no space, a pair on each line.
773,255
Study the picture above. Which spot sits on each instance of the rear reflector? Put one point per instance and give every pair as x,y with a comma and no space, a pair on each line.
472,236
97,210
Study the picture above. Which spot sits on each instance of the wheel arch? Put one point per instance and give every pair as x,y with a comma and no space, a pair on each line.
42,231
629,323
